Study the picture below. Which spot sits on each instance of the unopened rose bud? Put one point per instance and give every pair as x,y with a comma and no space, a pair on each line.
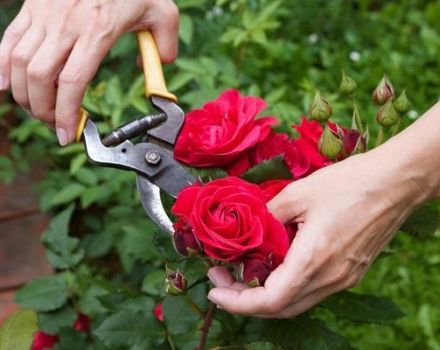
402,103
82,323
320,109
329,144
158,312
354,142
347,86
175,282
384,91
387,115
184,240
254,270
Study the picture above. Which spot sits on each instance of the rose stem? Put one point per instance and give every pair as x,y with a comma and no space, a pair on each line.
206,325
380,136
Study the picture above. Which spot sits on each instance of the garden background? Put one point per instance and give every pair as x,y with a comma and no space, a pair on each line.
280,50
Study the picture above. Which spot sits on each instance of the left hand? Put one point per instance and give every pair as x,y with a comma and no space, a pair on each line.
347,213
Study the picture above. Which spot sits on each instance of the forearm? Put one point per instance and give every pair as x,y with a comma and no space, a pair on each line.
411,160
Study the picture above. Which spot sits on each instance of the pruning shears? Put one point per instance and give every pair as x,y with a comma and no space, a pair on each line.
152,158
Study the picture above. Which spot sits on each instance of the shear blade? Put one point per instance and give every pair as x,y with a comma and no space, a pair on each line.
152,203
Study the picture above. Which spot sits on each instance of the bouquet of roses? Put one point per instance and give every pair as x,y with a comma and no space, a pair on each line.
226,219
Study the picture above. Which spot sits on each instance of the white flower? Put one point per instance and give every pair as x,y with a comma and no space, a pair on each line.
313,38
355,56
413,114
216,11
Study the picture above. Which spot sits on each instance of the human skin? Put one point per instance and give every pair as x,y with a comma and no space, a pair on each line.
52,50
347,214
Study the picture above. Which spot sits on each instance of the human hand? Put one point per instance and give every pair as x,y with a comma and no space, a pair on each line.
52,50
347,213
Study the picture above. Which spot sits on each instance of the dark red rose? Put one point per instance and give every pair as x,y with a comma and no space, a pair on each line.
158,312
271,188
221,130
255,269
184,240
43,341
310,132
230,218
273,145
82,323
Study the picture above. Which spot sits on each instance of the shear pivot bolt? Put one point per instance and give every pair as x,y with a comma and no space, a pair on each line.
152,158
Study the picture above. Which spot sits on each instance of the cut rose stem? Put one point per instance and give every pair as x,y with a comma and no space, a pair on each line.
207,322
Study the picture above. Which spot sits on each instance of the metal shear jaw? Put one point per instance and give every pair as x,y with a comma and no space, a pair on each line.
155,167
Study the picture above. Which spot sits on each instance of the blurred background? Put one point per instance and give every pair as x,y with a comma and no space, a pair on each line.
280,50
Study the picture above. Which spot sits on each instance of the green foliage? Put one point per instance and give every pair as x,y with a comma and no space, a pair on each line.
110,260
274,168
17,331
43,294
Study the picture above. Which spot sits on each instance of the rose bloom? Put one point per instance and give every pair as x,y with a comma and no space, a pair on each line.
43,341
230,219
273,145
221,130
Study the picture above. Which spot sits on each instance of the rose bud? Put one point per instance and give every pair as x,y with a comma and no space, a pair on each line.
354,142
402,103
329,144
82,323
320,109
347,85
185,242
254,270
158,312
175,282
384,91
43,341
387,115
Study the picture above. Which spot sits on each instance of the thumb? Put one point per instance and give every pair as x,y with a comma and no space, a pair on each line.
289,203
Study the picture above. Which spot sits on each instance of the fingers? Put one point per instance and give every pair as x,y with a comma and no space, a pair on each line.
81,66
21,56
289,204
42,73
165,31
11,37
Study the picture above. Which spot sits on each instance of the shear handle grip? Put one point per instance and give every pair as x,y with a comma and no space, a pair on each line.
152,66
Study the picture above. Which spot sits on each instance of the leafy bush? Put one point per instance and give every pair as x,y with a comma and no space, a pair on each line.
110,259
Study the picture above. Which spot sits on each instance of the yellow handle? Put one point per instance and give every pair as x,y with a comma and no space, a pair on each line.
152,66
82,118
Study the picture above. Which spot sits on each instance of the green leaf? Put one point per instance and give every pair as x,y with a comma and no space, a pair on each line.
186,29
17,331
363,308
121,301
208,174
423,222
62,249
127,328
154,282
43,294
51,322
301,333
67,194
274,168
179,316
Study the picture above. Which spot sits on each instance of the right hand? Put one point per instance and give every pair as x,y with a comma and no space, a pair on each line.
52,50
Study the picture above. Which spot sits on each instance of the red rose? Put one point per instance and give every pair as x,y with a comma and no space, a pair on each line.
184,240
221,130
82,323
271,188
158,312
43,341
351,139
230,218
255,269
272,146
310,132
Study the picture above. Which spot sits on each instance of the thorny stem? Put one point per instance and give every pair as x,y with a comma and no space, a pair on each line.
207,322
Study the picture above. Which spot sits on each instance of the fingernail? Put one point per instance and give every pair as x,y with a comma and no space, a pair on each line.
63,136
